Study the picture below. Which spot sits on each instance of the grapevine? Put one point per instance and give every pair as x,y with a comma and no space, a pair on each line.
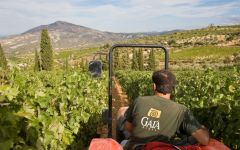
47,110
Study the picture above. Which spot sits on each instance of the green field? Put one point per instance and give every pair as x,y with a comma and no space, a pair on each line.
76,52
203,52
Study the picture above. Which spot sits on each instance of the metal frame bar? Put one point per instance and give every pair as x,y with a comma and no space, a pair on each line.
110,74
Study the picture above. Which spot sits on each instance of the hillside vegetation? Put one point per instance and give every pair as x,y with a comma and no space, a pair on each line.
215,45
211,46
212,35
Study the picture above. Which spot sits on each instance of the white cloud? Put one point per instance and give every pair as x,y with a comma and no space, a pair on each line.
126,15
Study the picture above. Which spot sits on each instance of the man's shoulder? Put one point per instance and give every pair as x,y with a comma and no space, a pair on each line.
181,106
176,105
160,99
144,98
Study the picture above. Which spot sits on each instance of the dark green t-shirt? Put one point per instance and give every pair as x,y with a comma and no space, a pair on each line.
154,116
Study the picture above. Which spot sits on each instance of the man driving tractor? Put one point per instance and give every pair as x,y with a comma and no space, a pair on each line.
151,122
158,118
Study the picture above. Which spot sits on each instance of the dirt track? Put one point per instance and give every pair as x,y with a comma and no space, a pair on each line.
119,100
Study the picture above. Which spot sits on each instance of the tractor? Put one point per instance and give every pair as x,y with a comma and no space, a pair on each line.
95,69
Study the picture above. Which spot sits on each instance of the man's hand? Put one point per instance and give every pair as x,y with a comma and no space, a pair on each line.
202,136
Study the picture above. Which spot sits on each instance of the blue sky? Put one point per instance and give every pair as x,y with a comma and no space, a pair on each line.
17,16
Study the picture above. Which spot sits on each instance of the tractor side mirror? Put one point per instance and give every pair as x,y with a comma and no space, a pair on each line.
95,68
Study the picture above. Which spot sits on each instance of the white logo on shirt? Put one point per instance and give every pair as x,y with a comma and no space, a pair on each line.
150,124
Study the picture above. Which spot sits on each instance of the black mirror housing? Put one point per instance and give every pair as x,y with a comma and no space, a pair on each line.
95,68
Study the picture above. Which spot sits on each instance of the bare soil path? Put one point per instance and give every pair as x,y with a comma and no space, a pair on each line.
119,100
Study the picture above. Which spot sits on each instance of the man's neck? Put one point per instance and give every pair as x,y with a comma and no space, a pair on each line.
166,96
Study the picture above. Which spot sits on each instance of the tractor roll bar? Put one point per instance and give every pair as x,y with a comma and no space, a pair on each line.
110,74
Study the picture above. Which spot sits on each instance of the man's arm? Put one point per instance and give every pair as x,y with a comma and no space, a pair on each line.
192,127
202,136
129,115
127,125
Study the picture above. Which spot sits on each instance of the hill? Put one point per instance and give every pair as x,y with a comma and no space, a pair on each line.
211,46
212,35
65,35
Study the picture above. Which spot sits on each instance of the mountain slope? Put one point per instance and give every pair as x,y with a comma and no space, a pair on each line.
228,35
64,35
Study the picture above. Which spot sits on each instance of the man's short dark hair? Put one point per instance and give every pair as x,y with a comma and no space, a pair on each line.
164,80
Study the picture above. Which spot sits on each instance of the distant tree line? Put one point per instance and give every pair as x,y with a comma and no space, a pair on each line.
123,61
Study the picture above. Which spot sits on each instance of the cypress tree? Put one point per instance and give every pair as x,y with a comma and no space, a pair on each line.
151,61
128,60
140,59
3,60
106,46
135,60
46,51
125,58
117,64
37,65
